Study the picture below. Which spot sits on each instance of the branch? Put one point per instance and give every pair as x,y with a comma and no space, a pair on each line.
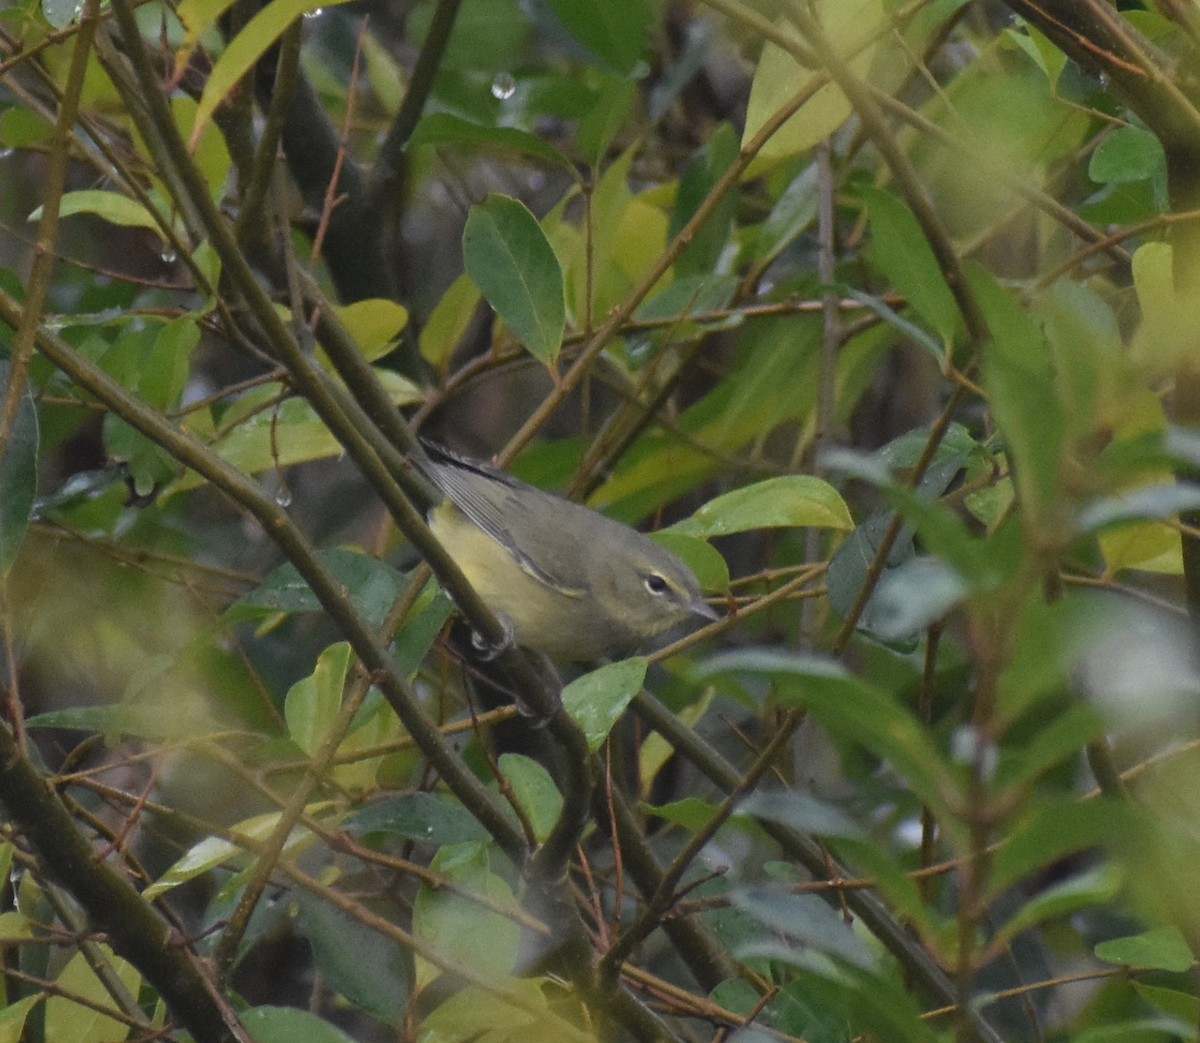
134,930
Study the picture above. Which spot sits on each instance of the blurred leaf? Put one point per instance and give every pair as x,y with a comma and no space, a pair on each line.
511,261
604,118
615,32
1130,153
806,919
534,791
847,706
699,178
487,36
282,436
312,704
20,128
909,329
1151,503
913,596
1177,1004
423,817
18,472
799,811
901,251
692,813
793,211
443,128
1054,742
1163,948
596,700
1051,830
449,321
1021,388
790,501
369,969
289,1024
1088,890
126,719
487,1016
270,23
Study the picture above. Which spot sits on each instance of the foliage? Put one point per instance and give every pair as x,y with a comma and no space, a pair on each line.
883,313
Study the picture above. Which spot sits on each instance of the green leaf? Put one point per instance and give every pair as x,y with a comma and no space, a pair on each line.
374,324
778,77
616,31
702,558
511,261
373,586
1146,504
915,333
312,704
806,919
289,1024
604,119
18,472
790,501
1182,1007
369,969
1129,153
1051,830
1063,737
20,128
442,128
699,178
212,852
128,719
13,1016
259,34
68,1019
900,250
448,322
522,1013
283,435
801,812
849,707
691,812
1163,948
913,596
1088,890
423,817
1019,378
460,929
421,629
794,211
112,207
534,791
688,296
596,700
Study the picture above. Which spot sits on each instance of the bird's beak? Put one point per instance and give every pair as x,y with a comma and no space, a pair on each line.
704,610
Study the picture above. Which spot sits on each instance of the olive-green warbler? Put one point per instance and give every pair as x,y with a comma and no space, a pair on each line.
569,581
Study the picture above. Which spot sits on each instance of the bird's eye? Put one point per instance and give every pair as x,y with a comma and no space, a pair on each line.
655,583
